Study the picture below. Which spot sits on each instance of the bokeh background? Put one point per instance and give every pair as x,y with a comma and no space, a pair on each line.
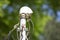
46,18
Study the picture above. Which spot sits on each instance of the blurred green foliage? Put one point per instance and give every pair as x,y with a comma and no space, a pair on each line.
9,18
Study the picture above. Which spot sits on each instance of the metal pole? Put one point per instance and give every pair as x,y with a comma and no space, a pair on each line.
23,27
25,12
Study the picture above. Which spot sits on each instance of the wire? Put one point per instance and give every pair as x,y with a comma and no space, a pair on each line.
13,37
17,35
10,33
30,23
15,26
